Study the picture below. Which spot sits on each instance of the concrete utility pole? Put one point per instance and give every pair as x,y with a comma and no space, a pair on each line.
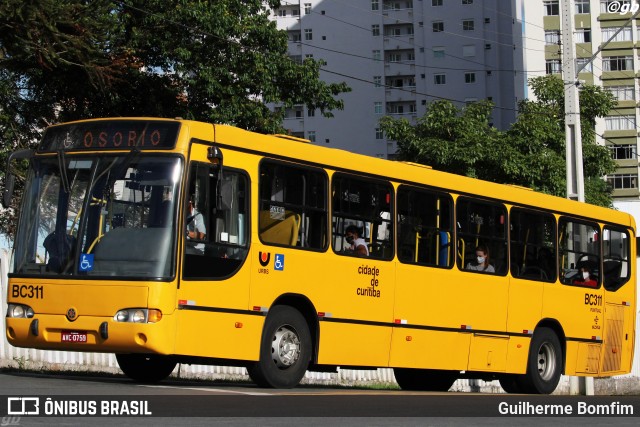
573,138
573,135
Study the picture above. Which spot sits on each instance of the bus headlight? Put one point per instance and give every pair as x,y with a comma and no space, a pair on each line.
138,315
19,311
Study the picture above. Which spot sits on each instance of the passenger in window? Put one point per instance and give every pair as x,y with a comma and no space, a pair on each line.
196,229
356,243
482,258
585,279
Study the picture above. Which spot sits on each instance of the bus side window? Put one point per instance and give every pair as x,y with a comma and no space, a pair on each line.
365,204
533,245
481,224
425,229
223,203
579,248
293,205
615,265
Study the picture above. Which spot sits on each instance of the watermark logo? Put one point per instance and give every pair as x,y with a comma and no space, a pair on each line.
23,406
10,421
622,7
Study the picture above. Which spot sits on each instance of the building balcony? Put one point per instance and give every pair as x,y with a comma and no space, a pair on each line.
397,16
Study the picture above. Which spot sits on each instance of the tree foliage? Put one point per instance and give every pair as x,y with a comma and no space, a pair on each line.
531,153
215,60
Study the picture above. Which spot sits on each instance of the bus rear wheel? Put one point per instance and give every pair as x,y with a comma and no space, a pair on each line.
145,368
424,379
285,350
544,365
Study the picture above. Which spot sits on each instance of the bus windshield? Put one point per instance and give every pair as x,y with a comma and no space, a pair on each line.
106,215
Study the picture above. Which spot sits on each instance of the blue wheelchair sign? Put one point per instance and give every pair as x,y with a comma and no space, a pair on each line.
278,263
86,262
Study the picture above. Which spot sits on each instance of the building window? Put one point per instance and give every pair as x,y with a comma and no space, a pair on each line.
583,35
617,63
377,108
585,65
468,25
377,80
439,79
623,36
551,7
376,55
375,5
308,34
553,66
379,133
294,36
311,112
622,181
307,8
311,135
438,52
394,57
623,151
436,2
627,122
295,12
467,1
438,26
552,37
375,30
582,6
622,93
469,77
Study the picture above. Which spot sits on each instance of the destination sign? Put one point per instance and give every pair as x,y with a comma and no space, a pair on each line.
111,135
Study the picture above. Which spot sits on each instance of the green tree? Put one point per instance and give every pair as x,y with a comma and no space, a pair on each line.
219,61
531,153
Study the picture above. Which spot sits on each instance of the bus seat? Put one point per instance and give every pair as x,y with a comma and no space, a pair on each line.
612,271
534,273
279,231
60,247
443,258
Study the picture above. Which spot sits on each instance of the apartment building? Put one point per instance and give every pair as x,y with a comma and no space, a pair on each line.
615,67
399,55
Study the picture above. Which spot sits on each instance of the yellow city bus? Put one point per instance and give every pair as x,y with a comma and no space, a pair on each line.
173,241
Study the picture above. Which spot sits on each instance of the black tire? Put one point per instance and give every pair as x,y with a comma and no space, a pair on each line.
544,365
285,350
424,379
145,368
510,383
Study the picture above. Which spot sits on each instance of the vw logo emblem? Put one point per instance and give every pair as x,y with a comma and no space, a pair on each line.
72,314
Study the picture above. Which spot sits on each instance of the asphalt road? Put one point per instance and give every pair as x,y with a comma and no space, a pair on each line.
83,399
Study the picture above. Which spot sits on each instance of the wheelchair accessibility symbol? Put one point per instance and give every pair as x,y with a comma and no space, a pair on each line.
86,262
278,263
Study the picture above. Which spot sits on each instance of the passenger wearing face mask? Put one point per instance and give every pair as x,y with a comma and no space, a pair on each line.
482,258
357,244
585,279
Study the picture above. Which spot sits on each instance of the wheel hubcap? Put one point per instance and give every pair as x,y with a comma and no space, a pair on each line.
285,347
546,361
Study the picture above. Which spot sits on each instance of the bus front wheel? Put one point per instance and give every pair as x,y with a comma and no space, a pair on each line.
285,350
424,379
146,368
544,365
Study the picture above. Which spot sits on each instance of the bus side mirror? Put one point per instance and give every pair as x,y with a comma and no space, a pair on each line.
10,178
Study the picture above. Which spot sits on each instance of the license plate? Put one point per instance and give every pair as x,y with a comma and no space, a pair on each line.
72,336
